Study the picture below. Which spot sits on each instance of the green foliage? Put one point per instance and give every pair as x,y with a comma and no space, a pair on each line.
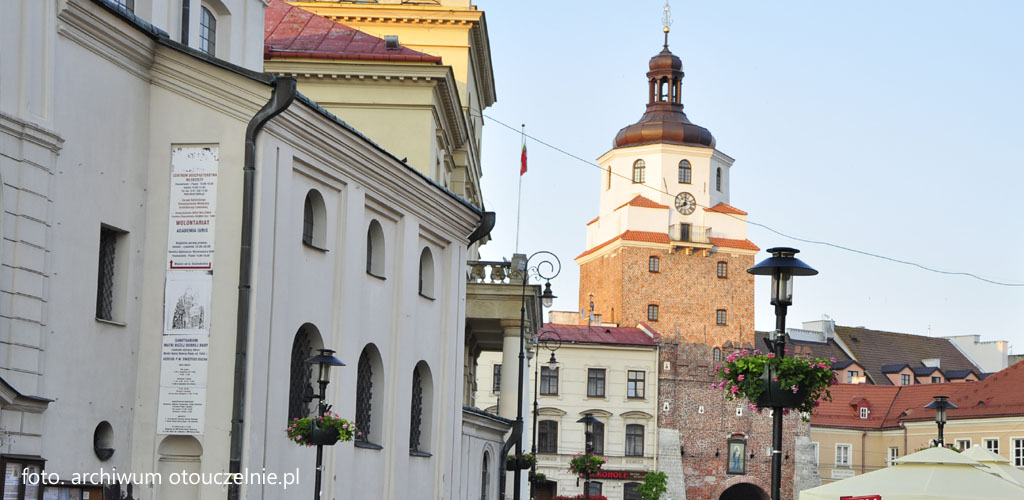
582,464
741,377
300,429
654,485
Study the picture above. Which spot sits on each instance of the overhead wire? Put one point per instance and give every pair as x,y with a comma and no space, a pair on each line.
758,224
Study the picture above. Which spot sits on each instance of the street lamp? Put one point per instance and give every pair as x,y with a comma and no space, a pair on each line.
781,266
325,360
588,422
551,341
941,404
546,270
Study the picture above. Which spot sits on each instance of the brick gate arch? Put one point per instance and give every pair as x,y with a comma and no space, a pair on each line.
740,489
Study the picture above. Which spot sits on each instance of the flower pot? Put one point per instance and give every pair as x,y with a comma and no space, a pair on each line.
776,396
511,464
325,437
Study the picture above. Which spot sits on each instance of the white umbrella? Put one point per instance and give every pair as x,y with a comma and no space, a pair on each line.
932,474
996,462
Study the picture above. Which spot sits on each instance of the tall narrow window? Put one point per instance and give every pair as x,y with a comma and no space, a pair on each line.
547,436
634,384
207,32
314,223
369,397
842,455
634,440
608,181
595,382
723,269
629,491
718,180
597,438
416,416
653,264
427,274
184,21
307,222
485,476
496,377
638,172
716,354
894,453
375,250
364,395
684,172
105,280
549,381
301,388
1018,452
720,317
652,312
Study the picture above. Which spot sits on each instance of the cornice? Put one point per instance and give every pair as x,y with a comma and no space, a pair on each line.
229,94
30,132
100,33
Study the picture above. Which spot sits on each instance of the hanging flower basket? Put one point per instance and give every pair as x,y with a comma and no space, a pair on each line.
768,381
325,431
581,464
525,461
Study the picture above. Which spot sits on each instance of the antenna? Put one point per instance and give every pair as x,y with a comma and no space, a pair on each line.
666,21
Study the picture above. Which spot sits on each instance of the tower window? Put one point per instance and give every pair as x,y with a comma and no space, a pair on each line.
718,180
684,172
638,172
653,264
608,182
723,269
720,317
207,32
652,312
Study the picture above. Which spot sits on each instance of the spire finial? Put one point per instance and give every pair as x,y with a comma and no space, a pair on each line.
666,21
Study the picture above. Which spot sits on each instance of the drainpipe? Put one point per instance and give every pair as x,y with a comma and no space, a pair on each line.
507,447
484,229
282,96
863,451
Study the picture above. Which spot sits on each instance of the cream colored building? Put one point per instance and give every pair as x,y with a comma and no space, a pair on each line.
607,371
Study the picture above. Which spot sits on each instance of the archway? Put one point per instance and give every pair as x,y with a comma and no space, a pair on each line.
743,491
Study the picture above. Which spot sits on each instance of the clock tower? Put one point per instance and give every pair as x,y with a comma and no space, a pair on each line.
667,247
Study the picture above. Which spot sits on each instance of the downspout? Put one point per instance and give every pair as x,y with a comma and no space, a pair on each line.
484,229
863,451
507,447
282,96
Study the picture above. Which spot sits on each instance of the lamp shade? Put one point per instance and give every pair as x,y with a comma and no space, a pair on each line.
547,298
588,422
940,405
326,360
782,266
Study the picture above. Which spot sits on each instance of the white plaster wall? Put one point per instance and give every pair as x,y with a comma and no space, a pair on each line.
990,356
239,26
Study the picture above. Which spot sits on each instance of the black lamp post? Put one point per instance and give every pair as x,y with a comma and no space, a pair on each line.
588,422
545,270
551,341
941,404
781,266
325,360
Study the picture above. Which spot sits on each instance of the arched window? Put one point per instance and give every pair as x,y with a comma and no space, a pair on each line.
684,172
718,179
638,172
634,440
716,354
419,422
314,220
207,32
426,273
375,250
485,476
300,393
369,394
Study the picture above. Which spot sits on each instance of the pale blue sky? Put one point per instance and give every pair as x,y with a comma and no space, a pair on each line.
889,127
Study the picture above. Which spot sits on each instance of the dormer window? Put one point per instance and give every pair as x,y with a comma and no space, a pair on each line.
864,412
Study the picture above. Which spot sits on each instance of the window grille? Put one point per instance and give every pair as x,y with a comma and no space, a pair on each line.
364,396
638,172
301,376
105,280
416,420
634,384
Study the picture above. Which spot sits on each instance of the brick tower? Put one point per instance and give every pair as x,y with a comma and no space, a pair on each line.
667,248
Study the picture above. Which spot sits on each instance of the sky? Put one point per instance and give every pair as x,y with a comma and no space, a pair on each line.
892,128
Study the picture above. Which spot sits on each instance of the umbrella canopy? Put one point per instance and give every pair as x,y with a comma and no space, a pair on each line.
932,474
996,462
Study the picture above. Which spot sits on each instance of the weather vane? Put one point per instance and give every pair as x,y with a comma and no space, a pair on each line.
666,21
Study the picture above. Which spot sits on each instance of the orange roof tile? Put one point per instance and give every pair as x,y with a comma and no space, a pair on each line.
640,201
725,209
629,235
741,244
595,220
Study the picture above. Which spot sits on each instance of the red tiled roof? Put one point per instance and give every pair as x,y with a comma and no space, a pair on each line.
595,220
640,201
725,209
629,235
582,334
844,409
741,244
289,31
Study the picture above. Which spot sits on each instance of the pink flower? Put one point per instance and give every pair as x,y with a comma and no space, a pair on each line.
757,352
298,437
822,365
717,367
770,355
726,370
753,406
785,351
743,352
785,411
740,378
775,379
816,403
713,385
344,426
832,359
795,388
734,389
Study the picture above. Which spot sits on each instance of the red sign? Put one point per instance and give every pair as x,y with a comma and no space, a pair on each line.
626,475
865,497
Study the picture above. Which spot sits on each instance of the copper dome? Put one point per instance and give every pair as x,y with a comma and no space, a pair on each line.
664,121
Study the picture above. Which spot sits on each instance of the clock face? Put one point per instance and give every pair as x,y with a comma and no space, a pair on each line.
685,203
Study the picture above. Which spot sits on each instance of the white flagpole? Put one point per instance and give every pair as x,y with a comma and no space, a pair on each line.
519,194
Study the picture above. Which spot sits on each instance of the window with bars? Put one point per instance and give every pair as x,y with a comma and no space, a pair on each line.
547,436
549,381
723,269
652,312
653,264
595,382
638,172
718,180
109,282
496,379
720,317
364,397
716,354
207,32
684,172
416,417
307,222
992,445
301,391
634,440
634,384
597,439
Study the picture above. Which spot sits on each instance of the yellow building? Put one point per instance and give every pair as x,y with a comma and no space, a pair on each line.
865,427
